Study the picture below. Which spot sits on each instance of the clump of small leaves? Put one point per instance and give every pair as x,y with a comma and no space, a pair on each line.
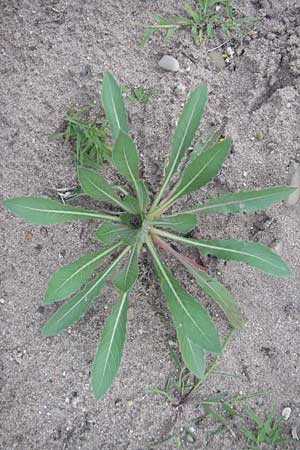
259,433
89,137
141,95
203,18
139,222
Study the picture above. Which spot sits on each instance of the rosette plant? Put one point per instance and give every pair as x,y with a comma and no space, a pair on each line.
135,222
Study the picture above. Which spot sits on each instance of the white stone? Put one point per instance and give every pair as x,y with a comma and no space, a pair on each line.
294,175
286,413
169,63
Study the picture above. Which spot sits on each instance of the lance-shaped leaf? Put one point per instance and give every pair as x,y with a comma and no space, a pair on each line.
206,141
183,223
189,317
125,158
244,200
185,132
72,311
44,211
205,167
113,105
143,194
97,187
132,204
218,292
193,354
252,253
110,232
71,276
126,278
109,352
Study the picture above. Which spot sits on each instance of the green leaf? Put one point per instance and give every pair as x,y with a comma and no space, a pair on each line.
113,105
44,211
254,254
97,187
109,352
190,318
217,292
72,311
125,158
207,140
183,223
205,167
110,232
245,200
143,194
131,203
193,354
184,133
70,277
126,278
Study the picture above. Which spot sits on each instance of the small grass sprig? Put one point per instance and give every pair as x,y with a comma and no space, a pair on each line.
202,18
89,137
136,222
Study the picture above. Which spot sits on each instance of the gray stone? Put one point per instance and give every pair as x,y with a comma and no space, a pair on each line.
294,176
169,63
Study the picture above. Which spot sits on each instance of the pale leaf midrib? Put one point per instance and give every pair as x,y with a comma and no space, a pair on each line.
49,211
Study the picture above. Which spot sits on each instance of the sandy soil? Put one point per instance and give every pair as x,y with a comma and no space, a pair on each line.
53,56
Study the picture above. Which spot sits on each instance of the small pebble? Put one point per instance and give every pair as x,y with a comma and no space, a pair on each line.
294,176
286,413
278,247
130,313
169,63
260,136
2,301
216,58
295,433
28,235
180,89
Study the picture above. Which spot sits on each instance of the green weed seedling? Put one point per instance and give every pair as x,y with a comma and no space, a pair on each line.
140,95
134,223
203,18
260,433
89,138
